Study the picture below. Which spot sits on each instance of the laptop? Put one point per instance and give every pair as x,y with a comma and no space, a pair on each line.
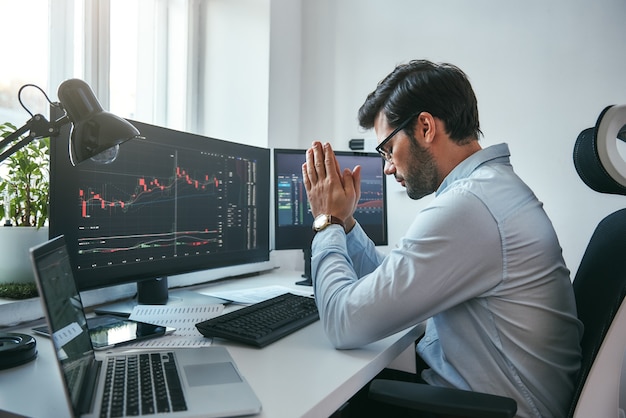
197,382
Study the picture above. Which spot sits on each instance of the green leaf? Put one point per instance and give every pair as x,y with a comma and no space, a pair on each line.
26,183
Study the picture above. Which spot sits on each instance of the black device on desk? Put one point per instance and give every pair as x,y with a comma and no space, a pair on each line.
108,331
293,218
171,203
265,322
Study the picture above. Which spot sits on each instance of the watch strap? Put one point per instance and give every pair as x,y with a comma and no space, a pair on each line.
336,221
330,220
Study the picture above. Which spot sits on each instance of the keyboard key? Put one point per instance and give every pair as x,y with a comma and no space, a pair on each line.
142,384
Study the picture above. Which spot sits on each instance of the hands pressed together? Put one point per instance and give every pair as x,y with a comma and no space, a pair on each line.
330,190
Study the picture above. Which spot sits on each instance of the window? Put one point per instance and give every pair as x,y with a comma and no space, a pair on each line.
192,65
24,59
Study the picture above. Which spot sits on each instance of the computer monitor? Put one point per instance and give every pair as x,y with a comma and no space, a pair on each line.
172,203
293,218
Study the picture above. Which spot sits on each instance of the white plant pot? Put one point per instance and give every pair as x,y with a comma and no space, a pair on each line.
15,242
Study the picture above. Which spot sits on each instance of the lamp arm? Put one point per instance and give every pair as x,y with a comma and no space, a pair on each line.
38,126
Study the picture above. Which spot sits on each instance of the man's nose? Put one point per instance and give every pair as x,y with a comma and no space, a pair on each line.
389,168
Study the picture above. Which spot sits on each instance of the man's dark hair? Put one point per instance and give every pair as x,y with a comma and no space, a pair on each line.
443,90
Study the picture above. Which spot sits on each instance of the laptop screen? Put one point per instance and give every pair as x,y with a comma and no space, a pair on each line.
65,314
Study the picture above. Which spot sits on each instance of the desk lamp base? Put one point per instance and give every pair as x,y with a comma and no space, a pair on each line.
16,349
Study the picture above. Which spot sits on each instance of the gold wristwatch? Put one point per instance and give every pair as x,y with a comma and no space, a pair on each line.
322,221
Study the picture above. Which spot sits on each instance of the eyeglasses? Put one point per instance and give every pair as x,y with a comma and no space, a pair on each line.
387,155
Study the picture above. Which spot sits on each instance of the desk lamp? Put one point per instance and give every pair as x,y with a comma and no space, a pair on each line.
95,134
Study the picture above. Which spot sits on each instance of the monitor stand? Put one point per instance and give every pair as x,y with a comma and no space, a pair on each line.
156,292
308,280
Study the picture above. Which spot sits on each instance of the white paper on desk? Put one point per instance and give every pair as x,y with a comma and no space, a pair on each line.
254,295
183,318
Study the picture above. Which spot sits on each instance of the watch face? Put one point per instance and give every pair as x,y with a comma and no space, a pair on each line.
320,222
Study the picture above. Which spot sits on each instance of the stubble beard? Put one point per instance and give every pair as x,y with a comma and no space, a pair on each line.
421,177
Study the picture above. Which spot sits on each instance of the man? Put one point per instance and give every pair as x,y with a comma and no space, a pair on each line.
481,262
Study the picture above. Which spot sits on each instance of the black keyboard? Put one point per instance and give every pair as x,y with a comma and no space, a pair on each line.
265,322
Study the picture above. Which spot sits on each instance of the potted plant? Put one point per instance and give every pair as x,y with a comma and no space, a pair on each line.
24,187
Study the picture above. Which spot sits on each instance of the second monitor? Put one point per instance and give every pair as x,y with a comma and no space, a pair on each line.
293,219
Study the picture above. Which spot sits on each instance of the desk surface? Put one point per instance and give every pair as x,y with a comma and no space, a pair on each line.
301,375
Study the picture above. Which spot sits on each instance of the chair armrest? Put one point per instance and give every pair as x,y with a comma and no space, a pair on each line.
442,400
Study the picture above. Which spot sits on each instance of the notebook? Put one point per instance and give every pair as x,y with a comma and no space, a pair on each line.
210,384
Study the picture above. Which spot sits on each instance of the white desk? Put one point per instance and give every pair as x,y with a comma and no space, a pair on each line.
301,375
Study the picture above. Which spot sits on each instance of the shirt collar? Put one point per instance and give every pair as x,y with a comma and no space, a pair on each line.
496,153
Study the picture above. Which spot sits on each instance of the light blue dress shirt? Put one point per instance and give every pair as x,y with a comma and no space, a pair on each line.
483,265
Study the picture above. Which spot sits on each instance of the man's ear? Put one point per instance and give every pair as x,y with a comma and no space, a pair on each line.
426,127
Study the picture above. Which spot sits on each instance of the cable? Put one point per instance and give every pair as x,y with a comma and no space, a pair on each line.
19,96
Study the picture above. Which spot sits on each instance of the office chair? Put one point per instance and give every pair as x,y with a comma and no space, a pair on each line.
599,288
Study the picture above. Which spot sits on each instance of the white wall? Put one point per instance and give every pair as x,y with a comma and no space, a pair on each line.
237,46
542,72
285,73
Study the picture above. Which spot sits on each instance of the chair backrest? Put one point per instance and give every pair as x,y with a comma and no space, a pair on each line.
600,287
600,282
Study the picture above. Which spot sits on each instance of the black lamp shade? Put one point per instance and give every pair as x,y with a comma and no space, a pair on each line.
94,130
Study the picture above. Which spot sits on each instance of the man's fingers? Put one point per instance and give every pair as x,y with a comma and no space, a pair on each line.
318,160
309,166
305,177
356,179
330,163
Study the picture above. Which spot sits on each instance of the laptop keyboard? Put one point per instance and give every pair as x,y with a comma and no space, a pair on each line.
142,384
265,322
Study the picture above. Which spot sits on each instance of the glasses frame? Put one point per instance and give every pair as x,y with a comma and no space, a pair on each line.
386,155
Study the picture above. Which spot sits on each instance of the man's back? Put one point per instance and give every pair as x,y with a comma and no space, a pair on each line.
519,335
